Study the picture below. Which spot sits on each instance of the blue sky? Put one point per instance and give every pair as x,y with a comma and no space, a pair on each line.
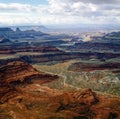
59,12
32,2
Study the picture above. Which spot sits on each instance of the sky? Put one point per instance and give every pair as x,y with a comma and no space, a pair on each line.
59,12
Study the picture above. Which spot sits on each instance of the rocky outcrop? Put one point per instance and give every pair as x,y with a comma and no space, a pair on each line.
23,95
54,55
107,108
79,101
5,40
18,73
44,103
95,46
86,104
21,72
79,66
42,49
7,92
62,56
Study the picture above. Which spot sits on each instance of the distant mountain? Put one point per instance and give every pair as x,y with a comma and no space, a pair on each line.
5,40
19,32
24,28
5,31
113,34
83,27
112,37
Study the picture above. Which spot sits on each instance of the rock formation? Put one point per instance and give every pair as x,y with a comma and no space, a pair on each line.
42,49
5,40
87,67
21,72
39,102
23,94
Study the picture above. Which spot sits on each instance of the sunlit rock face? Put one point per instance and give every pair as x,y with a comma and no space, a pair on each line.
24,94
15,74
39,102
21,72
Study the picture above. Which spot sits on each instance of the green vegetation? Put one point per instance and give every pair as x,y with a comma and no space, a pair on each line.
102,80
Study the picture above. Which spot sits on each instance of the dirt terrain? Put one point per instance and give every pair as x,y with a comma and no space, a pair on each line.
28,98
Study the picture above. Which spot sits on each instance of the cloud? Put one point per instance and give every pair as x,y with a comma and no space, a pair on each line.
16,6
97,2
62,12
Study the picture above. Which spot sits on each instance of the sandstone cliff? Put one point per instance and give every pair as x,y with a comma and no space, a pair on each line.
21,72
23,95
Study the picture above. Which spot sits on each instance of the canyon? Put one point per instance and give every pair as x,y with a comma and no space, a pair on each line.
46,76
29,98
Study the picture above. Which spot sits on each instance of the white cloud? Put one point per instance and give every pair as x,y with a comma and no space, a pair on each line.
16,6
61,12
